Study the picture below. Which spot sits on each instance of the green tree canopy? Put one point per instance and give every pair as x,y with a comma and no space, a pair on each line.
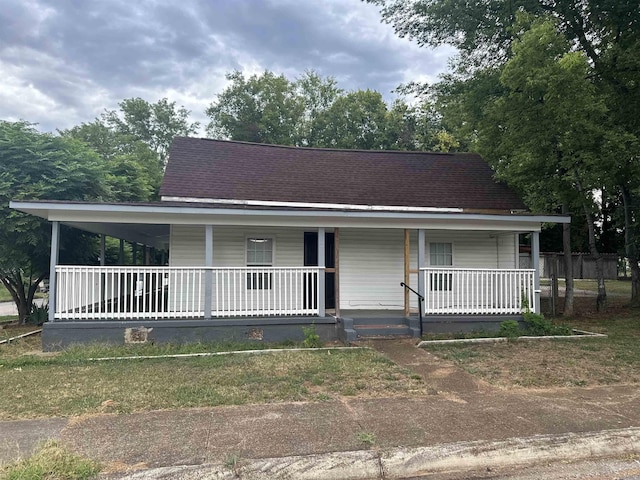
155,124
35,165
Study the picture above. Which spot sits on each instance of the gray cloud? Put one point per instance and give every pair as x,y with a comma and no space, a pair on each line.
65,61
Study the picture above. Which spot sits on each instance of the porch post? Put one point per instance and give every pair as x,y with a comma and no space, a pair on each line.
208,274
55,241
102,248
103,242
535,263
121,253
321,273
421,250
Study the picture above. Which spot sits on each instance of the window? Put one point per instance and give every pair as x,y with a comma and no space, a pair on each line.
440,255
259,254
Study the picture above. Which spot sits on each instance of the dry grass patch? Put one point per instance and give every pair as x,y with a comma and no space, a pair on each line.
68,385
559,363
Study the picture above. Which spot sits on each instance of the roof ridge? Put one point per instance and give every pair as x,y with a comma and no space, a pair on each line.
327,149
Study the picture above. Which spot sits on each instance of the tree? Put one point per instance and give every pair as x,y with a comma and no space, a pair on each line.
606,32
262,109
155,124
34,165
134,171
355,120
312,111
551,127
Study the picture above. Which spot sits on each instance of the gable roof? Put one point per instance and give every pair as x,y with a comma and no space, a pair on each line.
227,170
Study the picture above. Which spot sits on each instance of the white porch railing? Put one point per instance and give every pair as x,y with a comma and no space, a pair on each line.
477,291
93,293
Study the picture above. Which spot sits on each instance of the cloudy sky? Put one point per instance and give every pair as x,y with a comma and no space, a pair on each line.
62,62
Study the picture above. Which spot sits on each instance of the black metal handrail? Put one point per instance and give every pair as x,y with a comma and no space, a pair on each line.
420,300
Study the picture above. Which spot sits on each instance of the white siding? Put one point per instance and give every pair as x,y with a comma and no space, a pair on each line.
229,250
229,245
371,269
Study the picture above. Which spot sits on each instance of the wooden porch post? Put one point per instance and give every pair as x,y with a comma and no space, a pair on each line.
407,272
421,250
321,272
535,263
208,274
55,242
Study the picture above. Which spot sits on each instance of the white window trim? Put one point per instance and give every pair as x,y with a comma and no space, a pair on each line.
428,254
273,250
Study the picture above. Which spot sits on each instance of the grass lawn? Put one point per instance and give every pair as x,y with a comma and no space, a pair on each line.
559,363
616,287
5,296
69,384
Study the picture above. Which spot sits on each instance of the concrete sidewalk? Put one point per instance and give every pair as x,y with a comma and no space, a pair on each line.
462,409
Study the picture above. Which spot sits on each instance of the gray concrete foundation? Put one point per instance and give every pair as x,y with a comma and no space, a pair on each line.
60,334
465,323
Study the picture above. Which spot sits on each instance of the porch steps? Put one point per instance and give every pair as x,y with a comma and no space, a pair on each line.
376,327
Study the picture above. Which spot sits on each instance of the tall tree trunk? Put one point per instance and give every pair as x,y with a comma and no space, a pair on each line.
601,299
630,248
21,294
568,266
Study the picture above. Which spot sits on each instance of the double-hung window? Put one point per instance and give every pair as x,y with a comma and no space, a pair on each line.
259,254
440,255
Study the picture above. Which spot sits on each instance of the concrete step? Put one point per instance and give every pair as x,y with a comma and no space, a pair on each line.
380,321
382,330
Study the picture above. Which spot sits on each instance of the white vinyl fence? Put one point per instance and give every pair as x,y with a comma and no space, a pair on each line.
90,293
478,291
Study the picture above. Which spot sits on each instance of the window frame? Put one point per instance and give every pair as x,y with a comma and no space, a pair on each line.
452,255
257,281
246,250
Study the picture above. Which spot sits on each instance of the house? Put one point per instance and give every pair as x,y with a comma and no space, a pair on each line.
263,240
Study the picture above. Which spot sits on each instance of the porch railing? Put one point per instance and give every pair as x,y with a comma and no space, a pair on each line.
93,293
478,291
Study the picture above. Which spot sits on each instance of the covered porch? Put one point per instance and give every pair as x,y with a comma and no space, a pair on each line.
323,265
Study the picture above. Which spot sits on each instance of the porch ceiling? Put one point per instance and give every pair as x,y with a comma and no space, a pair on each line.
153,235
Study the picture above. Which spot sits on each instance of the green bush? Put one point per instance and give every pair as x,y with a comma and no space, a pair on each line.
311,337
537,325
509,329
39,314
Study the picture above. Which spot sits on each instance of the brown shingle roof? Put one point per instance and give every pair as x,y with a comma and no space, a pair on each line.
217,169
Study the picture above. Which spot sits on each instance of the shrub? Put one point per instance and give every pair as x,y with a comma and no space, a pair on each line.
39,314
509,329
311,337
537,325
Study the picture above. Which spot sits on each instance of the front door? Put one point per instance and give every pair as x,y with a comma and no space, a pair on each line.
311,260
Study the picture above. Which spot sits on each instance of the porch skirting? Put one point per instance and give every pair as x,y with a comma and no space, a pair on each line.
465,323
60,334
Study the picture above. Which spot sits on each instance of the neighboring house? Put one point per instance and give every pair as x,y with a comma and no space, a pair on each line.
265,239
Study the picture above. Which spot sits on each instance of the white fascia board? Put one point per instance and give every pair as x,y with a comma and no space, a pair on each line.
322,206
184,215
